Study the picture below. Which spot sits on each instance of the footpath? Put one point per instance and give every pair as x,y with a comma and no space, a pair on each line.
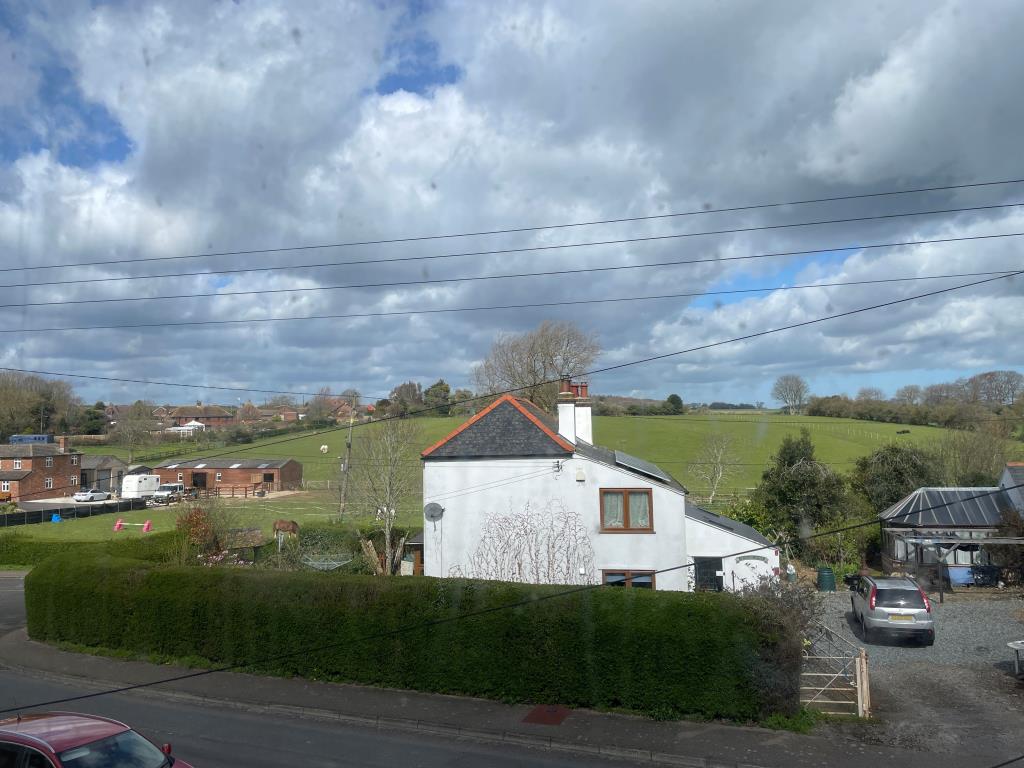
619,737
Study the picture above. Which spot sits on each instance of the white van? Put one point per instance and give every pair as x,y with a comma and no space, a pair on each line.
139,486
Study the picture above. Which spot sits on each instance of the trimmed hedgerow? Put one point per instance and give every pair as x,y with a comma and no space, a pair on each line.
663,654
16,549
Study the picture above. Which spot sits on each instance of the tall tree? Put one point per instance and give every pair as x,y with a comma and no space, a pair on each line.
383,482
799,491
792,391
318,410
463,403
532,363
870,394
674,404
909,395
888,474
437,397
405,398
134,427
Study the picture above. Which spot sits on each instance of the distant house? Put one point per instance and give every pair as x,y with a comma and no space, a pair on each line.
103,472
514,495
38,470
212,416
265,474
947,524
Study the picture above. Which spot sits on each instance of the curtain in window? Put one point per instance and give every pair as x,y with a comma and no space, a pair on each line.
614,515
639,510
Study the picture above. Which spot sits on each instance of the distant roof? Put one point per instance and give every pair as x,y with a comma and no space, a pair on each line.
508,427
950,508
225,464
199,411
720,521
102,461
28,450
14,474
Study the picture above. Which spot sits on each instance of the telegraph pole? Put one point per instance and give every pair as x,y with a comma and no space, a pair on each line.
346,467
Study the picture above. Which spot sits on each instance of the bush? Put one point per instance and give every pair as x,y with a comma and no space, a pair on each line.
665,654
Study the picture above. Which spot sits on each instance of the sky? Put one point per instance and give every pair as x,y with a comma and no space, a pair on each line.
133,131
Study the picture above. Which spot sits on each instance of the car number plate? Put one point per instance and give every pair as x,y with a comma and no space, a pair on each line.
900,617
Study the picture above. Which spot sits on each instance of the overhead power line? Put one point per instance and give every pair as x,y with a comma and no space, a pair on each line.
673,263
515,230
498,307
525,249
617,366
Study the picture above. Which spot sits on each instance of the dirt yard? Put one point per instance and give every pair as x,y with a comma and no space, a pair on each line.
958,694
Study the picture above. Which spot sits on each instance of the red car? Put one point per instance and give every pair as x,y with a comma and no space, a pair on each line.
69,740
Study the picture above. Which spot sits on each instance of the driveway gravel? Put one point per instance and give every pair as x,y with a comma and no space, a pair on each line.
958,692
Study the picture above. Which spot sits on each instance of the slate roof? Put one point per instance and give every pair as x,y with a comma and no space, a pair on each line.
14,474
949,508
225,464
508,427
1015,470
720,521
102,461
28,450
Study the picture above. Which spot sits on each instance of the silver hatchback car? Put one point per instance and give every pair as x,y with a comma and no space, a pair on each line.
896,604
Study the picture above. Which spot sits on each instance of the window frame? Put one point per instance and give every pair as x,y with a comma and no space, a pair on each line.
218,477
49,461
181,477
629,573
48,484
73,479
626,523
17,463
74,460
5,486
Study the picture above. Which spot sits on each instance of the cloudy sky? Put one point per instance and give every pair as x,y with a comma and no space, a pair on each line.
133,131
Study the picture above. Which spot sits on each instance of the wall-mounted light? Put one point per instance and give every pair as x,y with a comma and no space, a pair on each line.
580,476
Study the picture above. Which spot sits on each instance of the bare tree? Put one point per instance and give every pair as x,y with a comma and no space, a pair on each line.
974,457
535,545
870,394
911,394
715,463
528,362
134,427
792,391
318,410
382,481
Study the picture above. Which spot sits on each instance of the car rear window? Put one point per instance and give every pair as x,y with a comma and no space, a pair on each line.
899,598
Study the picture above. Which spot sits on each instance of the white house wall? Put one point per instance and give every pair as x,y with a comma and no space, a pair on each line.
706,540
469,490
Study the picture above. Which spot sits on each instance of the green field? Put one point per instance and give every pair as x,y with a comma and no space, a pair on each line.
673,442
305,508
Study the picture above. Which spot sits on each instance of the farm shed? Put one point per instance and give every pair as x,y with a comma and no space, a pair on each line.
236,474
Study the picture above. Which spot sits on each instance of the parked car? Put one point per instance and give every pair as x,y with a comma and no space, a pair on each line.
69,740
91,494
168,492
896,605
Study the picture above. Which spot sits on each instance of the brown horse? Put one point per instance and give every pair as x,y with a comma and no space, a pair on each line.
289,527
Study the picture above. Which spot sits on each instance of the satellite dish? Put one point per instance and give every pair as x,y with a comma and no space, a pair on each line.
433,512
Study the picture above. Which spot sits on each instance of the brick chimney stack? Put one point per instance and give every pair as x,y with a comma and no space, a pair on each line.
584,420
62,443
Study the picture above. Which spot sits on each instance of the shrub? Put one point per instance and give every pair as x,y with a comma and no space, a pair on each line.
665,654
18,549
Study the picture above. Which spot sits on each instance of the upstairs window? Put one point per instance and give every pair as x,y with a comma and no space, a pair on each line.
74,459
627,509
17,463
49,461
48,483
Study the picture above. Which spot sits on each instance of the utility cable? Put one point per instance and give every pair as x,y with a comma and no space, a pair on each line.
652,358
514,230
536,248
499,307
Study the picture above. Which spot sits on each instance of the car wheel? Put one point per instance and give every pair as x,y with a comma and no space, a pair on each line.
865,631
928,639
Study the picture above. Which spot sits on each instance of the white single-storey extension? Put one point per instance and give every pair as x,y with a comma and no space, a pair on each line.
511,495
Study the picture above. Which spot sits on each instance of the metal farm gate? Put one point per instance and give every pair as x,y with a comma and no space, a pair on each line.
834,677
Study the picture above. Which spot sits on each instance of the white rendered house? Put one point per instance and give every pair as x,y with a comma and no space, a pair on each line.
527,499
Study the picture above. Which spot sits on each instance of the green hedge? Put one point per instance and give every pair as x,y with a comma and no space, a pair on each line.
17,549
665,654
